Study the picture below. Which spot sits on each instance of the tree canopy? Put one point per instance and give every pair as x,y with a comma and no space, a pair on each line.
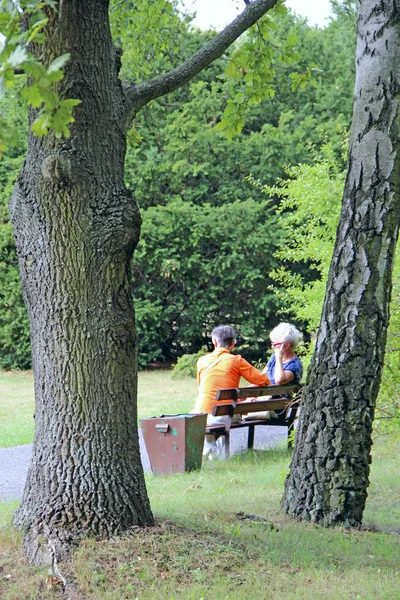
176,152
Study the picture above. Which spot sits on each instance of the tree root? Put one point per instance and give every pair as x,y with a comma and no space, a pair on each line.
49,547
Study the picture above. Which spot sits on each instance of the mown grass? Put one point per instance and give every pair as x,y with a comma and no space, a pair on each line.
220,534
16,408
158,394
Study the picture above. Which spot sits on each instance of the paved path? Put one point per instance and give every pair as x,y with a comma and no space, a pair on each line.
14,461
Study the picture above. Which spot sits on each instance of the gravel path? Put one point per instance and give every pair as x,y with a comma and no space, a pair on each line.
14,462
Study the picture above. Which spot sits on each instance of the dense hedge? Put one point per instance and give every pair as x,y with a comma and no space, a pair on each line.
14,326
197,267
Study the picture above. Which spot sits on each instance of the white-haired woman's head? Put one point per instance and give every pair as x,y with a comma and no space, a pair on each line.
285,332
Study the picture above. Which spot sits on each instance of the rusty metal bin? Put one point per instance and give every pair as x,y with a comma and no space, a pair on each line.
174,443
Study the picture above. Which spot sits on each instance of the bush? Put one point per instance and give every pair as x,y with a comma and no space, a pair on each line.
186,365
201,266
15,350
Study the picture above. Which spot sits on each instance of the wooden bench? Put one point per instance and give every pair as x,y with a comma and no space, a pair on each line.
285,408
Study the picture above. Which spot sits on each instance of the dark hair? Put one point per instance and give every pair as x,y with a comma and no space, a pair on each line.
225,335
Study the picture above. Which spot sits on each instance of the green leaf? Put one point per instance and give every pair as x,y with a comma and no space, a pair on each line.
58,63
70,103
41,125
34,68
39,25
32,95
17,57
55,76
292,38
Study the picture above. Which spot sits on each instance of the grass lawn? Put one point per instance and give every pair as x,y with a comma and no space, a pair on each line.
16,408
158,394
220,534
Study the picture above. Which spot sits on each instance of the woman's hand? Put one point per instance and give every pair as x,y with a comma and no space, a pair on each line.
279,351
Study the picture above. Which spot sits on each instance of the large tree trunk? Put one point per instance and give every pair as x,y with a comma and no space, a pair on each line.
76,226
329,472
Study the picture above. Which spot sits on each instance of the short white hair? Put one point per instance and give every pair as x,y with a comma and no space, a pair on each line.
285,332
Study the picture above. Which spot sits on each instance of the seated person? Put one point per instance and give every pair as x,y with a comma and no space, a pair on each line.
284,366
220,370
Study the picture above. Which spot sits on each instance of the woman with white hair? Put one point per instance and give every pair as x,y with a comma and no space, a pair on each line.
284,366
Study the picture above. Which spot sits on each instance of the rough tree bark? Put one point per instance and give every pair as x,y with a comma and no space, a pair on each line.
76,227
329,472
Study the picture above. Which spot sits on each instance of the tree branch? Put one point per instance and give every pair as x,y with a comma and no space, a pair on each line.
137,95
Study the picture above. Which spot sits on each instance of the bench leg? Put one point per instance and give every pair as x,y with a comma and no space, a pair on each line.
250,439
227,449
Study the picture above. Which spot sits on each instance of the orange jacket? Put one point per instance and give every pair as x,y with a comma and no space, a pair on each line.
225,373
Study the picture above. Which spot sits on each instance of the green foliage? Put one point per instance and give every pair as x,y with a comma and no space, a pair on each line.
14,326
22,24
179,151
186,365
388,405
279,51
211,267
189,158
310,202
302,80
55,114
177,154
310,209
146,54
